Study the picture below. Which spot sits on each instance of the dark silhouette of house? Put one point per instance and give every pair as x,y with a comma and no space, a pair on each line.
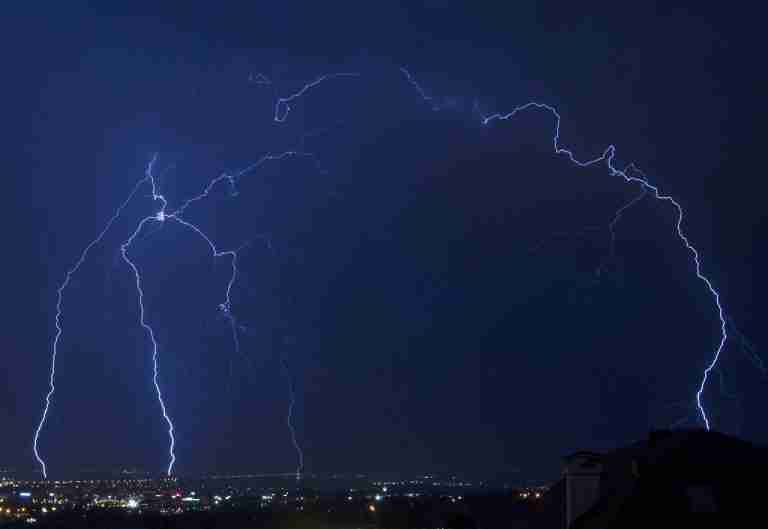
684,478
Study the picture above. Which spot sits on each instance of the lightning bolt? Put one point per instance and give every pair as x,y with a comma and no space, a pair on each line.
748,348
231,179
161,217
616,218
176,216
283,104
289,418
226,305
415,84
57,319
282,108
589,229
607,157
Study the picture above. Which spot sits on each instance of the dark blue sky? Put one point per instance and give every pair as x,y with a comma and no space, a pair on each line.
433,288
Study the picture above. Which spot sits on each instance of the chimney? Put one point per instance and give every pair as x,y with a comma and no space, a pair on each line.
582,483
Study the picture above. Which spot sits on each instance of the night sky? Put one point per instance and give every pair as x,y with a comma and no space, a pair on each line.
430,282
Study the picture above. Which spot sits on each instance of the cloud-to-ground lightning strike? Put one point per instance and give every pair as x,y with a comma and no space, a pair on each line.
159,217
607,157
282,108
60,329
289,418
226,305
283,104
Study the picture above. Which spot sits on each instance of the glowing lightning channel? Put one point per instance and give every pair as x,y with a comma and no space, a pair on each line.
282,108
160,216
748,348
289,418
283,104
607,157
233,178
226,306
59,300
616,218
413,82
